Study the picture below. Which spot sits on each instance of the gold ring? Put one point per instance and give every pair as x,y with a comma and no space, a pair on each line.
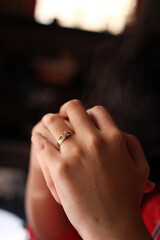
63,136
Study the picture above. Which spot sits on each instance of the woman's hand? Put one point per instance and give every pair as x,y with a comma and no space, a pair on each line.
98,174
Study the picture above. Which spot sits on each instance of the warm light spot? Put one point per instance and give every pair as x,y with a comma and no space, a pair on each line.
93,15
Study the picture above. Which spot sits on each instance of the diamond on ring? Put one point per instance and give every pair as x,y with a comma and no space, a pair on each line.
63,136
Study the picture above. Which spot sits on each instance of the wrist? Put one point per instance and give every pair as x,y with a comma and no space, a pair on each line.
120,229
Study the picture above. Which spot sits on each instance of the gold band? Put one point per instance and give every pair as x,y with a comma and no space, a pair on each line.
63,136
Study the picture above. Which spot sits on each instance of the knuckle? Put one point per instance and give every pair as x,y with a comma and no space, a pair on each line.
37,127
74,103
50,118
95,142
117,136
76,152
99,108
134,138
62,169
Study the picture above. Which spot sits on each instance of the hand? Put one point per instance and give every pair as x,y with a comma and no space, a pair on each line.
51,221
99,174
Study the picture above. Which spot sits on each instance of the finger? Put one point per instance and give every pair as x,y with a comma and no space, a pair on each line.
45,152
55,125
69,125
135,150
77,115
137,155
101,118
48,178
44,147
40,128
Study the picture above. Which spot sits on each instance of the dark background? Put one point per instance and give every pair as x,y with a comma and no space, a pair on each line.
40,69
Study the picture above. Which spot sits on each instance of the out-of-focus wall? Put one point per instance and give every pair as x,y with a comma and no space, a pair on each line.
17,8
40,69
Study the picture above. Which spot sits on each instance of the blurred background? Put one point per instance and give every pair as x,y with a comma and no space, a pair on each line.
44,48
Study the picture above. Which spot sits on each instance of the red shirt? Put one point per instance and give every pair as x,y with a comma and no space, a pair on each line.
150,213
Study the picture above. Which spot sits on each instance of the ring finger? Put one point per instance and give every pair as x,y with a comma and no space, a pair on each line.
58,128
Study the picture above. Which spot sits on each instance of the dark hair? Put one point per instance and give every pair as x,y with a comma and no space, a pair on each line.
125,78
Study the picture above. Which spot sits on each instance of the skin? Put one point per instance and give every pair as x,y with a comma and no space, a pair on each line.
100,173
44,214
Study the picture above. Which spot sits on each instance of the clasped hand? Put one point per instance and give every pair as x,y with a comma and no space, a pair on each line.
98,174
